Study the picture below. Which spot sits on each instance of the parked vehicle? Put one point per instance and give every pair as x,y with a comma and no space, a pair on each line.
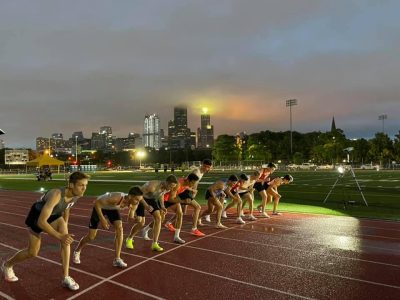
325,167
307,166
292,167
369,167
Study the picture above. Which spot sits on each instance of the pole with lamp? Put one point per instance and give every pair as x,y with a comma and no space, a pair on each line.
140,155
383,118
76,150
290,103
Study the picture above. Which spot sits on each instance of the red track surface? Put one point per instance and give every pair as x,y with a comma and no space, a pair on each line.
288,256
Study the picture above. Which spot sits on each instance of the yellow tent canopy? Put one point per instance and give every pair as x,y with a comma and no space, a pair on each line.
45,160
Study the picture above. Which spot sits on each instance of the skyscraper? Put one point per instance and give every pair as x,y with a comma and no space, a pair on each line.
179,134
151,134
205,134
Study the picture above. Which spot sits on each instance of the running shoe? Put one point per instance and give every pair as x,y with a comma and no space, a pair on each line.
207,218
9,274
145,234
240,221
156,247
259,208
178,240
220,226
252,218
76,258
170,227
197,232
224,215
70,283
277,213
129,243
118,262
266,215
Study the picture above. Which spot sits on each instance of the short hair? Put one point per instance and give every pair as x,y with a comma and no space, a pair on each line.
288,177
243,176
171,179
192,177
135,191
207,162
233,178
272,165
256,173
76,176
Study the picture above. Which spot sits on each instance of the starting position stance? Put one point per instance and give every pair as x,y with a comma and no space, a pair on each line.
261,185
108,205
153,192
215,195
185,192
272,191
50,214
246,192
236,200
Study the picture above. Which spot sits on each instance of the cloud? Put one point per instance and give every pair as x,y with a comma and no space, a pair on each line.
68,67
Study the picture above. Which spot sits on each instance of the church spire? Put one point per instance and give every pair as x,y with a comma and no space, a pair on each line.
333,126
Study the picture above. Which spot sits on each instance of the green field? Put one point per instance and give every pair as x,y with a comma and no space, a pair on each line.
305,194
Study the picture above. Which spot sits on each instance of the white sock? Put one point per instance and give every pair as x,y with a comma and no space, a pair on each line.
194,228
177,233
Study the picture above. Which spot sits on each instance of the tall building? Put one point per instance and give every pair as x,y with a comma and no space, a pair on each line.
205,134
98,141
43,144
106,131
179,134
151,133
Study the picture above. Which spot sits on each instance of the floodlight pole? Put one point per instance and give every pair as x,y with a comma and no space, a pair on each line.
76,149
290,103
383,118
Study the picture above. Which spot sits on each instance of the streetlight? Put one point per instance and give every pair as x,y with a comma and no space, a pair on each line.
76,150
140,155
383,118
290,103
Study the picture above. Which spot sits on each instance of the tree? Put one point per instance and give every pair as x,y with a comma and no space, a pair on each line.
225,148
381,148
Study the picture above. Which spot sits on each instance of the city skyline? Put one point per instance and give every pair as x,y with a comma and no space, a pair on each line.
65,68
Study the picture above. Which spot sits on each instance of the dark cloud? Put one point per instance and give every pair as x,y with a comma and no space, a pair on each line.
67,67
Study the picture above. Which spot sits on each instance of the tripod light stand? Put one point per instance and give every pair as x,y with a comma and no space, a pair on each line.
342,171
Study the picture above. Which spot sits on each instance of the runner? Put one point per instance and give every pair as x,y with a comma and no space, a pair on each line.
272,191
109,205
50,214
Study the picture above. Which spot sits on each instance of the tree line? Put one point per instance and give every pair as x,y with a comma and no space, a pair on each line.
317,147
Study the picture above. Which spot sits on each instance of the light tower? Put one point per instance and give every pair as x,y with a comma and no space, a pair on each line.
290,103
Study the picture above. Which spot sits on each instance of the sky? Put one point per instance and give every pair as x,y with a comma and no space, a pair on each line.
78,65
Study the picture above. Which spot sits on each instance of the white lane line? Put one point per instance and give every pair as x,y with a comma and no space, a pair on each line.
260,233
153,258
103,279
8,297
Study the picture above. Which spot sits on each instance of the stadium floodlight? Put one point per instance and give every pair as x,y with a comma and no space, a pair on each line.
290,103
2,131
341,169
383,118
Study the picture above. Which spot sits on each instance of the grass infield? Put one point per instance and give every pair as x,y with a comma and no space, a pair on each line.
306,194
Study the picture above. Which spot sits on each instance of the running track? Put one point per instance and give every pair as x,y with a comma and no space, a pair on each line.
294,256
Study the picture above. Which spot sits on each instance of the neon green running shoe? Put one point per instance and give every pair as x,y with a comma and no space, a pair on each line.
129,243
156,247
